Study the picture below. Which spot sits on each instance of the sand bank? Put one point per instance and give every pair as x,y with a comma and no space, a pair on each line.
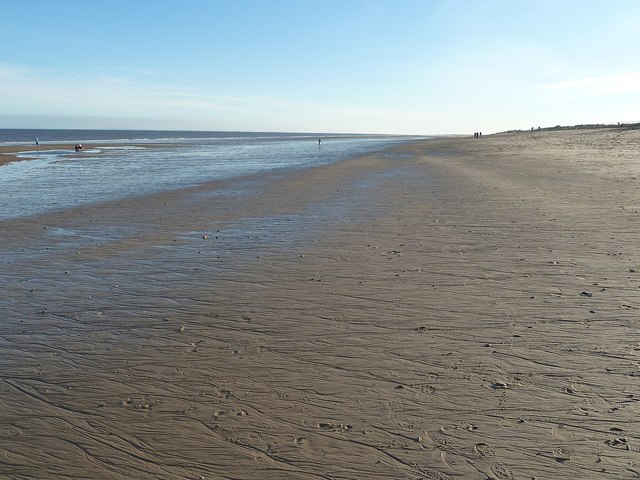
9,154
452,309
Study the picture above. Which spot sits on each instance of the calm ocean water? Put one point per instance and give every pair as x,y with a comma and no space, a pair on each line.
56,179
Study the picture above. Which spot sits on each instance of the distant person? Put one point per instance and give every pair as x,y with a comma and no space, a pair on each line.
319,141
538,128
78,147
479,134
37,143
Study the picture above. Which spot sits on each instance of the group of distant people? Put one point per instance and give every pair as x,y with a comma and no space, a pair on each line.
477,134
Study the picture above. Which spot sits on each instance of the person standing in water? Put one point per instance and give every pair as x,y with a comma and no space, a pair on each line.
37,143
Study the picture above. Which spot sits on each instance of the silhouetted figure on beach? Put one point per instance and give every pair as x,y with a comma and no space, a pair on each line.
78,147
319,141
37,142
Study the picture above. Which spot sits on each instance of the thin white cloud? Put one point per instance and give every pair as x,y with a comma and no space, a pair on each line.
8,70
45,93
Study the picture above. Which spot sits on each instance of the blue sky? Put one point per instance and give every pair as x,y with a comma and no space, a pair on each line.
396,66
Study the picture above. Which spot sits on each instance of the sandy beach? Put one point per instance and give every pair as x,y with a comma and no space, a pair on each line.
454,308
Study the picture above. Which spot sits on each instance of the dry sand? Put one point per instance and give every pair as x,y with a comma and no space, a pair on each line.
454,309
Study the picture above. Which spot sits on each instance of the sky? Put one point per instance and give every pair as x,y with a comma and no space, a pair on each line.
347,66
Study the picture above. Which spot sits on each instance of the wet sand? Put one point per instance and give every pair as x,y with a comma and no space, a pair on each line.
9,154
452,309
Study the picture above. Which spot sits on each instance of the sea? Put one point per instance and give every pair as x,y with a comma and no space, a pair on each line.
139,162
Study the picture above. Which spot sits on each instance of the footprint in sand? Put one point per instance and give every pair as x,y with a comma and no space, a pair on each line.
502,472
430,474
427,389
619,442
335,427
470,427
561,455
451,452
299,440
562,432
483,450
